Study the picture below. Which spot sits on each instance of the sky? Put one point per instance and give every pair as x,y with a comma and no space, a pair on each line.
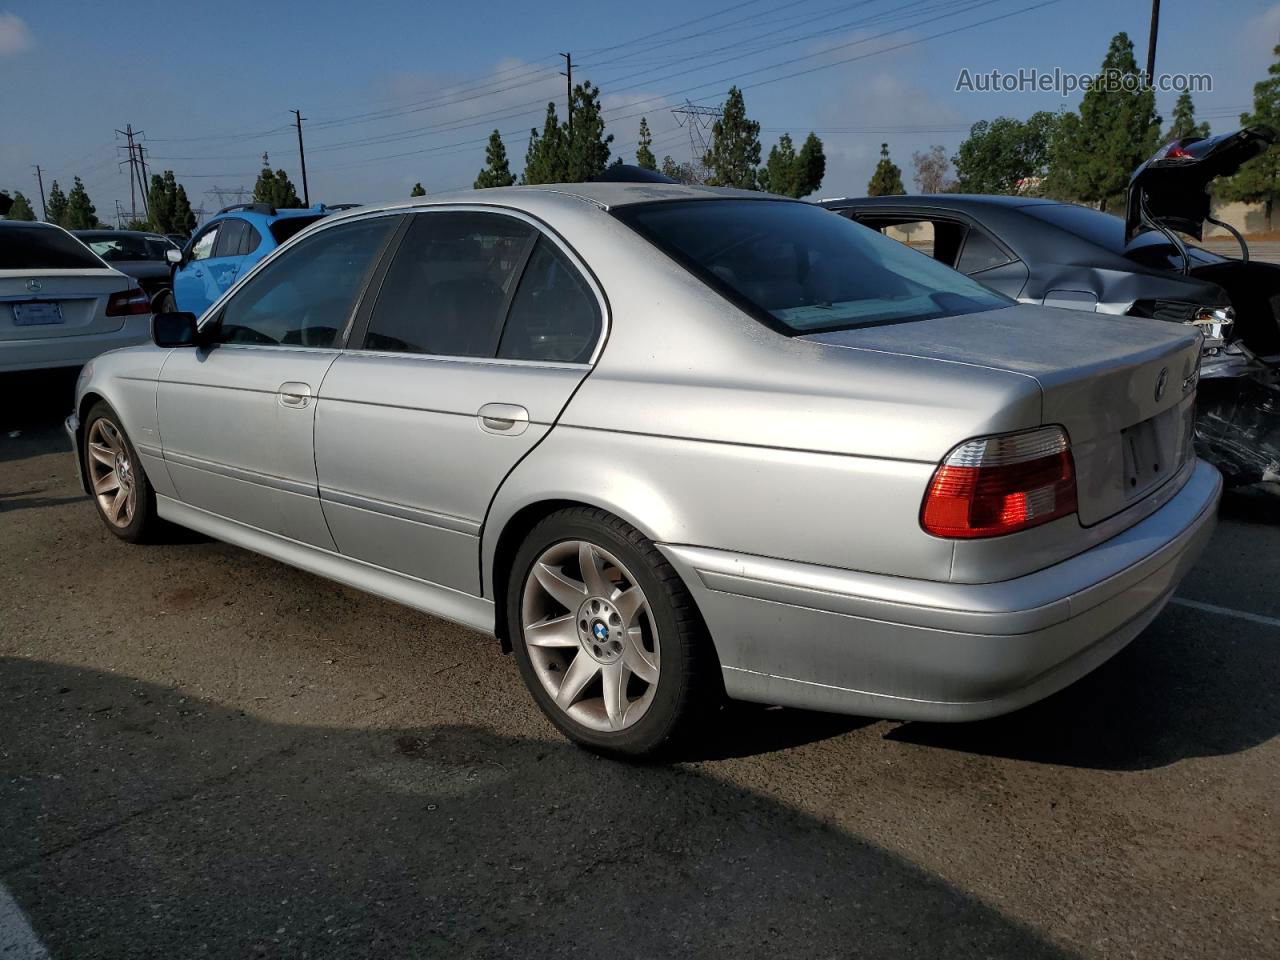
395,92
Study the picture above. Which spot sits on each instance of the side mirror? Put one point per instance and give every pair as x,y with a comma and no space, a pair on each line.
173,256
174,330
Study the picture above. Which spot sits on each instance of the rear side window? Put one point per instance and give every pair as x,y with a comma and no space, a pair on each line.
35,248
554,316
250,239
448,288
304,297
229,236
287,227
980,253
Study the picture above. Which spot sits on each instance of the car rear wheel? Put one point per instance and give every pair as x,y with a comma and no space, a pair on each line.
119,487
163,302
607,637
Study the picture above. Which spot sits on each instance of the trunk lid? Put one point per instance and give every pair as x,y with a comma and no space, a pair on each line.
38,304
1172,188
1122,387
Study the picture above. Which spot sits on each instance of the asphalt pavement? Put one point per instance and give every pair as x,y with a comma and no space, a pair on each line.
204,753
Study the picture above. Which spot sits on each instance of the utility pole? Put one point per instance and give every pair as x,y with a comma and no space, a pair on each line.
302,158
1151,42
137,172
119,217
44,210
567,73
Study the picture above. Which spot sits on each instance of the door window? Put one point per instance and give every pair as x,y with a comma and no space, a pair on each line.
229,237
940,239
554,316
202,246
305,296
447,291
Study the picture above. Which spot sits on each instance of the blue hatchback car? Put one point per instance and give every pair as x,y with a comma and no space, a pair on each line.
229,245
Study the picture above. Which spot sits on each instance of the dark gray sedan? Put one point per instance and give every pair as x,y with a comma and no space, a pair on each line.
136,254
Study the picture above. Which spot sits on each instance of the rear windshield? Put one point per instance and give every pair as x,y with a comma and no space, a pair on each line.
47,248
285,228
126,248
802,269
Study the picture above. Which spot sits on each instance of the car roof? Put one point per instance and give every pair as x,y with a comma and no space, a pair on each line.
107,234
606,196
28,223
941,201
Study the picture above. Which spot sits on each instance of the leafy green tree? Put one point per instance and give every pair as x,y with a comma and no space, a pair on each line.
1093,156
644,149
1259,180
21,209
80,214
139,224
587,146
811,166
887,179
418,190
1004,154
790,173
1184,121
56,205
497,169
735,146
170,211
275,188
544,161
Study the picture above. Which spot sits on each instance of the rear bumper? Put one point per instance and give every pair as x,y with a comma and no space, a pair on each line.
71,351
807,636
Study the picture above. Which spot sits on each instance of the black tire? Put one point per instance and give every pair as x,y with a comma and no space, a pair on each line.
144,523
163,302
688,685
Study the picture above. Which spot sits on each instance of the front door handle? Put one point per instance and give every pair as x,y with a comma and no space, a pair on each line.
503,419
295,394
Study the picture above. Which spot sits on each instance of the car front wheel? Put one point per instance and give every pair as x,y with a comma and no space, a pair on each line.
607,637
119,487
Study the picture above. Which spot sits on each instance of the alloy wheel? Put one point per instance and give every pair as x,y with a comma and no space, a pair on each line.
590,635
111,472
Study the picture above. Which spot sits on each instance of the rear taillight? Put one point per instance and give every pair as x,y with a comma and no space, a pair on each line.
128,303
997,485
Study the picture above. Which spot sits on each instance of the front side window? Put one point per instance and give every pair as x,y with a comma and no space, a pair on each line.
305,296
554,316
801,270
202,249
447,290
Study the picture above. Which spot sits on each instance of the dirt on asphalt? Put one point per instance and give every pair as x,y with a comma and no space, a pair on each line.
206,753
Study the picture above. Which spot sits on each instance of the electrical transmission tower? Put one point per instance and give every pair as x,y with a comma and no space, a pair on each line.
228,195
699,121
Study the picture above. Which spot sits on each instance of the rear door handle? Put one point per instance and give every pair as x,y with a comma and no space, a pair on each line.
503,419
295,394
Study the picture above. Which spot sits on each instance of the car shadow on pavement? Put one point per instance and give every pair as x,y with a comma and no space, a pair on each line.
138,820
1191,685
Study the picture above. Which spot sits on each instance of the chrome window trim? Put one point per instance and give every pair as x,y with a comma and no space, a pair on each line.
449,358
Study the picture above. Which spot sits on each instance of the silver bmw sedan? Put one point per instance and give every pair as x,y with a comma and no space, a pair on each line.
670,444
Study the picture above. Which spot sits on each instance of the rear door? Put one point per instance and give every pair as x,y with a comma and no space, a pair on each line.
222,268
237,419
481,330
52,285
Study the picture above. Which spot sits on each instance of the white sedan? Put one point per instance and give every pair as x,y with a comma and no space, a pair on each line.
60,304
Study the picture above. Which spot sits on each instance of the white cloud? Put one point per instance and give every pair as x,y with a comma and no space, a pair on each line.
15,37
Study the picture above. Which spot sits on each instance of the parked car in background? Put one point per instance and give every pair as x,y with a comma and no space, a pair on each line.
1066,255
143,256
60,303
668,442
228,246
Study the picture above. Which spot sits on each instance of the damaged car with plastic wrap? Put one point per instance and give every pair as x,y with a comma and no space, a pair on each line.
1057,254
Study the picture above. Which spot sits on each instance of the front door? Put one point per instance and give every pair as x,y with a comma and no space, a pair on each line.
481,331
237,418
190,281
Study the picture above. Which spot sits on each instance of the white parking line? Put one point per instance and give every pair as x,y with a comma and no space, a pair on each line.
17,940
1227,612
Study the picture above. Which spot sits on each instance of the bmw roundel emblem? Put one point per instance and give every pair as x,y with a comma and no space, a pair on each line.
600,631
1162,381
33,285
